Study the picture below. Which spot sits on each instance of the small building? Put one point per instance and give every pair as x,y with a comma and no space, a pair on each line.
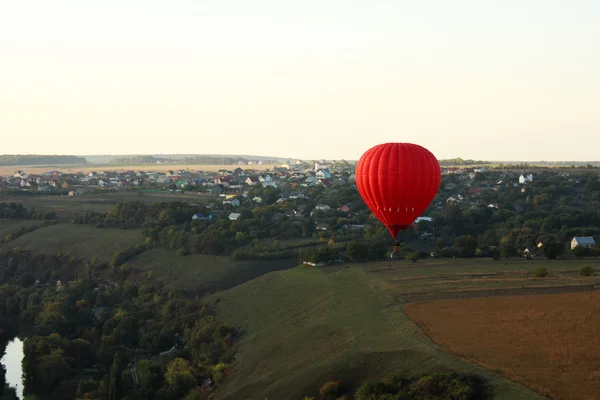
234,216
583,241
201,217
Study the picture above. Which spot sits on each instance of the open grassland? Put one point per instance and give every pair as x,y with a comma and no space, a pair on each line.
8,226
82,241
70,169
305,326
199,273
548,342
67,207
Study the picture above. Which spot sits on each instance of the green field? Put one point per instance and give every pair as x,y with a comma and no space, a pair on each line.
8,226
80,241
200,274
305,326
66,207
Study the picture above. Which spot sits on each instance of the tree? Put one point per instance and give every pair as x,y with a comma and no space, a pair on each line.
551,249
466,245
179,376
508,250
114,383
357,251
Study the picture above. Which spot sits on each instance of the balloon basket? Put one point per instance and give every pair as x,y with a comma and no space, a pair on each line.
396,251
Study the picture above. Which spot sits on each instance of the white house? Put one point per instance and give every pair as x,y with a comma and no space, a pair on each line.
583,241
322,207
234,216
523,179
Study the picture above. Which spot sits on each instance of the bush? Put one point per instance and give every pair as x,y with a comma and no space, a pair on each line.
541,272
586,271
331,388
413,256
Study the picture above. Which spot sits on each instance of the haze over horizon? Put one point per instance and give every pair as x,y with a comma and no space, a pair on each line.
507,81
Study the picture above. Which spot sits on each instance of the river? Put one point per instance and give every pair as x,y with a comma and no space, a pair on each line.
12,362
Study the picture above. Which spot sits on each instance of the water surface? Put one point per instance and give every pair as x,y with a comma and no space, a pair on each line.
12,362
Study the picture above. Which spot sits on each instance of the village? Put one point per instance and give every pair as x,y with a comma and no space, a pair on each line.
232,189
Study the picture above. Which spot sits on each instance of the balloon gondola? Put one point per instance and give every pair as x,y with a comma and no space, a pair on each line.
397,181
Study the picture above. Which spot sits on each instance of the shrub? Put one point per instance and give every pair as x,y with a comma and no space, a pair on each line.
331,388
541,272
586,271
413,256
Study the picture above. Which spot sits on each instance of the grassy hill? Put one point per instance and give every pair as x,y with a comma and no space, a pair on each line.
8,226
80,241
305,326
200,273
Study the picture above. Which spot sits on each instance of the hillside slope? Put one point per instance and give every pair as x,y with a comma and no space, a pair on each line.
303,327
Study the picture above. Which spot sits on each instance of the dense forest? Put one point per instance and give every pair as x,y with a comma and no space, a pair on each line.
97,336
20,159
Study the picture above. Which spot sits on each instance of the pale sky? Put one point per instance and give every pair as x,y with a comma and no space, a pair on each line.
483,79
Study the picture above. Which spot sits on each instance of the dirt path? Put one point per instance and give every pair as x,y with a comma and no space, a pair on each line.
470,294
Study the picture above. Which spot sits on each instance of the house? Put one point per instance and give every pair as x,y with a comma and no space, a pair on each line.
269,184
252,180
322,226
65,185
344,208
523,179
322,207
323,174
234,216
583,241
232,202
266,178
201,217
419,219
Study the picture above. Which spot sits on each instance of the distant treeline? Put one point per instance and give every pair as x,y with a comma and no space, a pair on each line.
196,160
460,161
18,159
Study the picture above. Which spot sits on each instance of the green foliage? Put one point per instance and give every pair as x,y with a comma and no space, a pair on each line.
413,256
586,270
541,272
437,386
101,330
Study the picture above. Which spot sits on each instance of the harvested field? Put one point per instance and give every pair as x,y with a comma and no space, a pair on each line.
547,342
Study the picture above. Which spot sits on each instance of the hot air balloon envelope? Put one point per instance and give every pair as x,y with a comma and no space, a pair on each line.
397,181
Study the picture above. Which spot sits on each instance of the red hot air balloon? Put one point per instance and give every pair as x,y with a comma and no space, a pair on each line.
397,181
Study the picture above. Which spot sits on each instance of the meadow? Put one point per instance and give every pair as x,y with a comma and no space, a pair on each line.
304,326
550,343
8,226
200,274
66,207
81,241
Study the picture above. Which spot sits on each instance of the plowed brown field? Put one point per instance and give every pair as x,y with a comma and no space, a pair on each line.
550,343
